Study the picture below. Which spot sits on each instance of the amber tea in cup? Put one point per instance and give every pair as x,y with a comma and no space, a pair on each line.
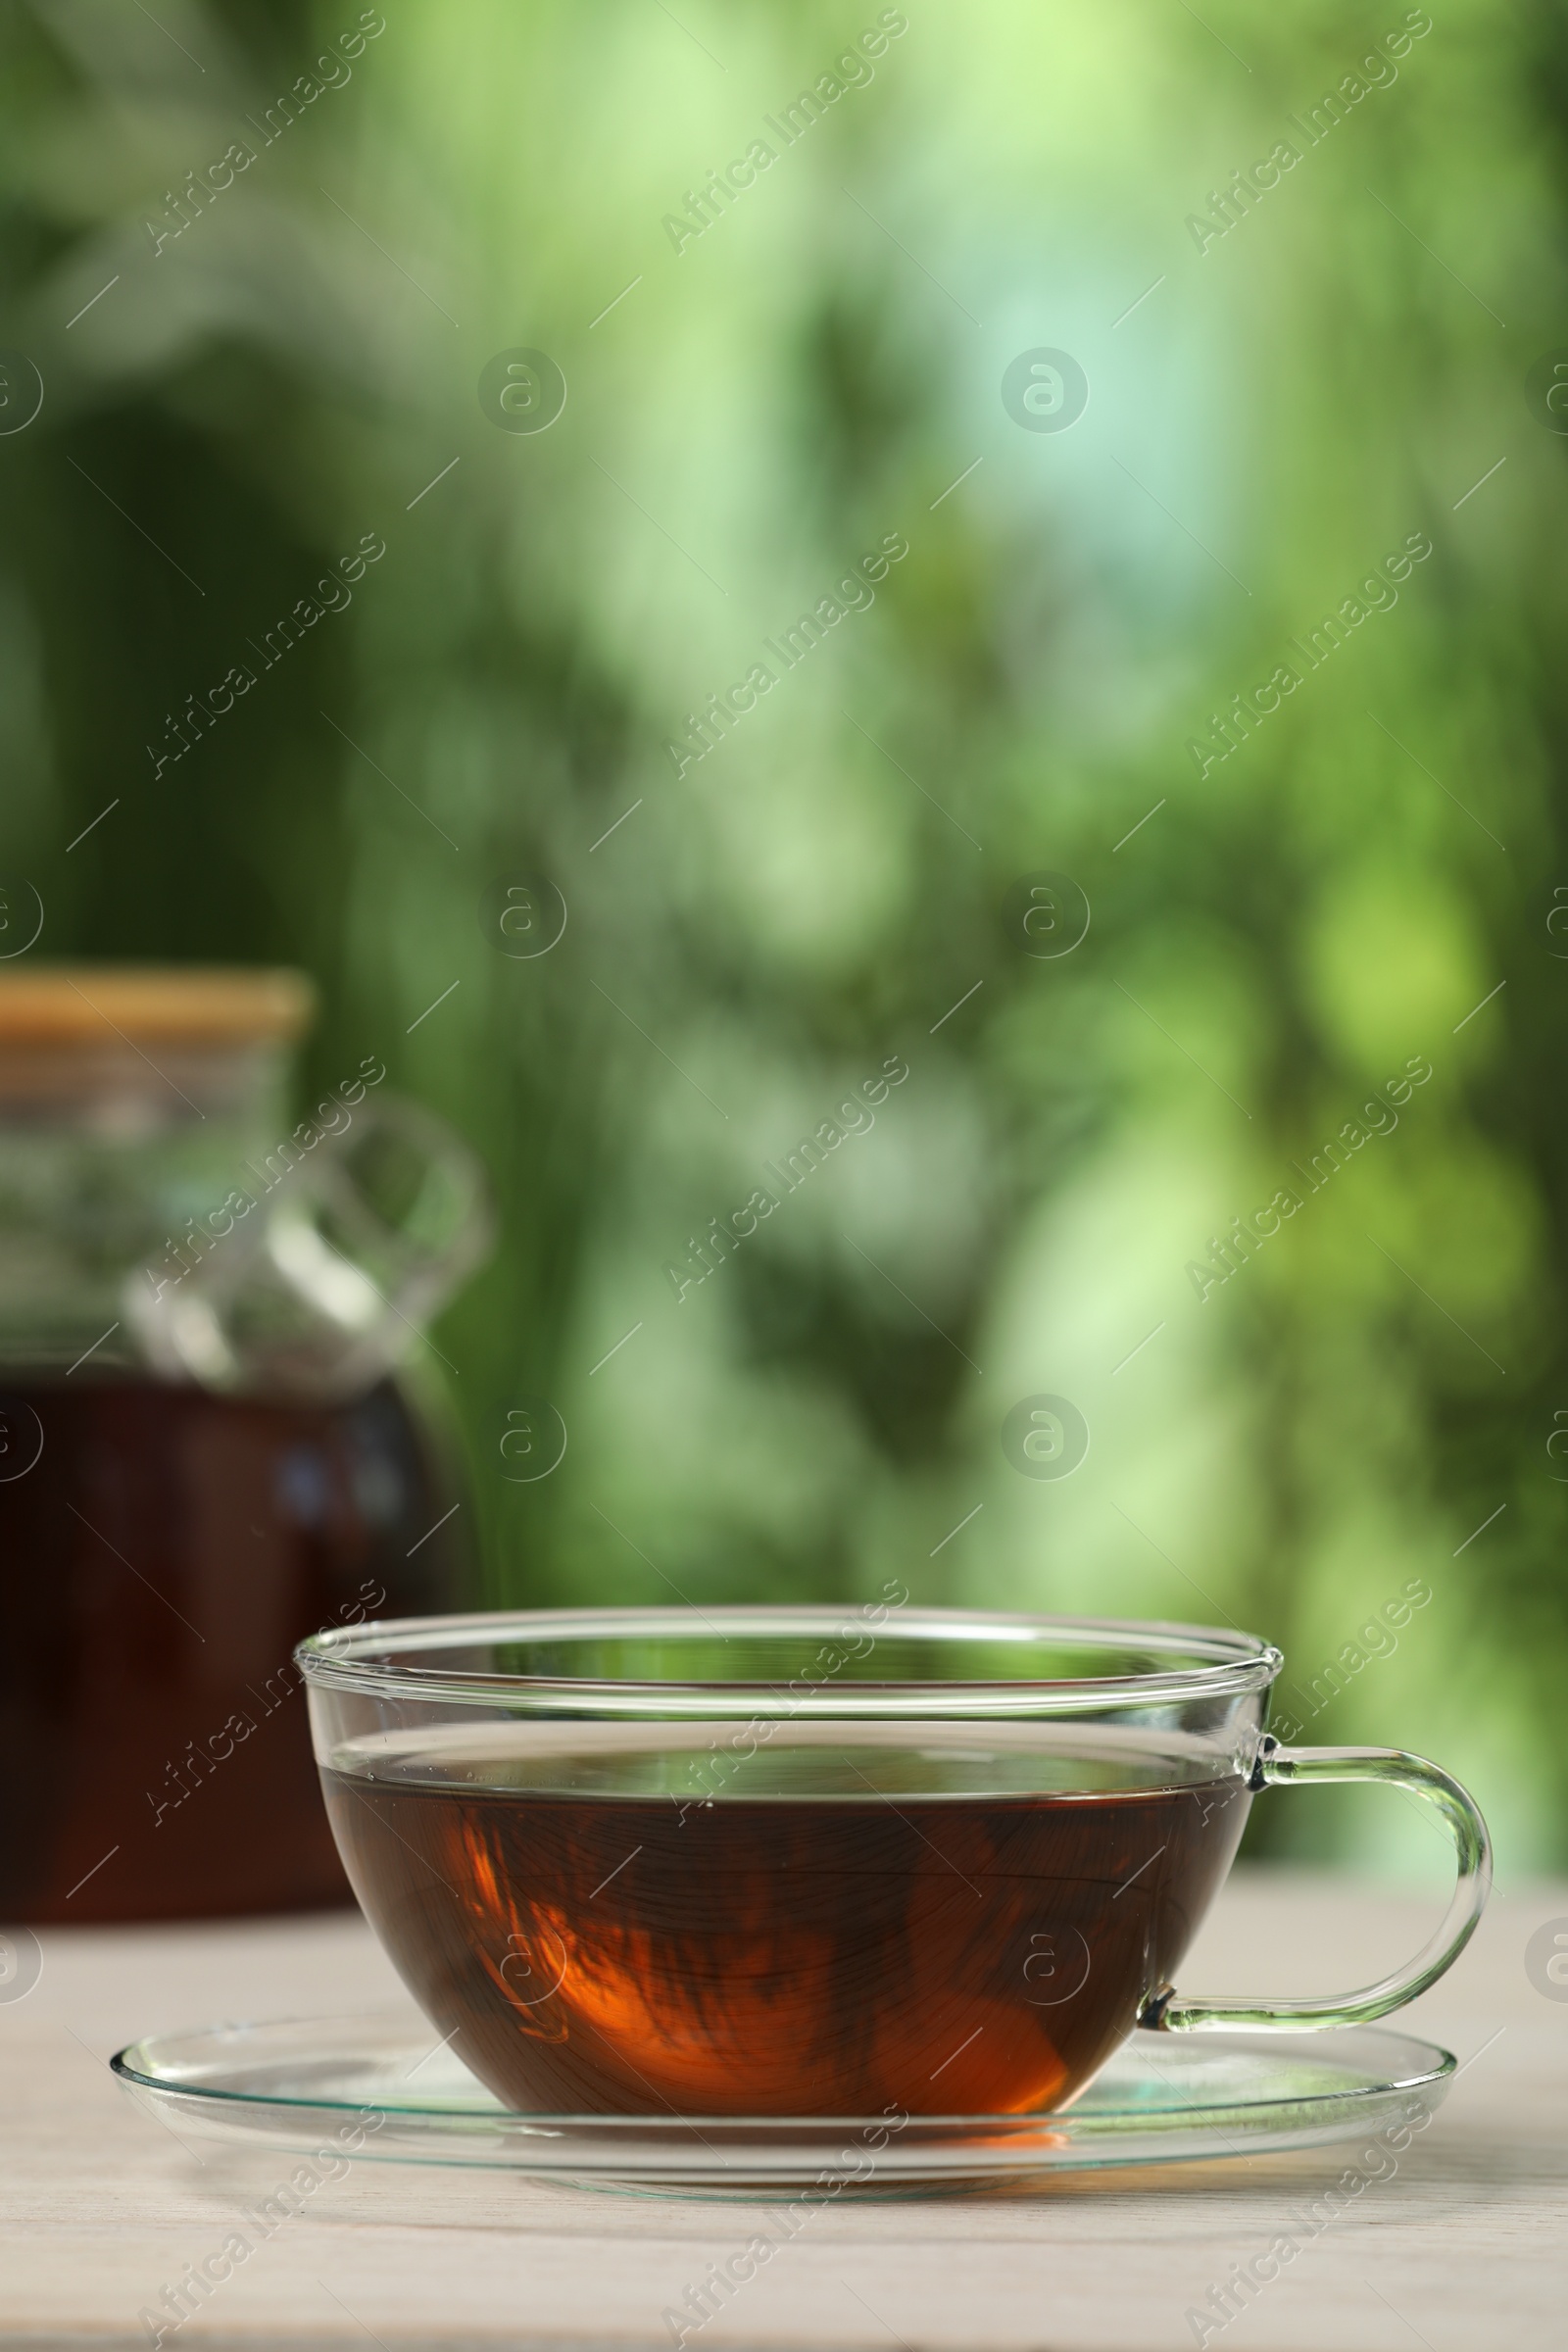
802,1863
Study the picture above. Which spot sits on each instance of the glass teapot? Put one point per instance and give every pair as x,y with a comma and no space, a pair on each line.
207,1446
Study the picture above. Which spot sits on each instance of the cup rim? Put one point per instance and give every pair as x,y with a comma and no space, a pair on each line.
1215,1662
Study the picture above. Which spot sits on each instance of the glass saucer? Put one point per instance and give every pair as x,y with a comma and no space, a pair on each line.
374,2087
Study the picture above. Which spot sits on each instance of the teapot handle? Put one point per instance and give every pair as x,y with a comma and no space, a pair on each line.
326,1278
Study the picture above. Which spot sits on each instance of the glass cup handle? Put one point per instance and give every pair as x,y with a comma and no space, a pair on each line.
1171,2011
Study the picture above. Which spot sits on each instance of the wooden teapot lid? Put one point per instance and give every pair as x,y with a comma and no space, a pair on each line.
67,1004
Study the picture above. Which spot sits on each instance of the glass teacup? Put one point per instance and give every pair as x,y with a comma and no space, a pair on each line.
802,1861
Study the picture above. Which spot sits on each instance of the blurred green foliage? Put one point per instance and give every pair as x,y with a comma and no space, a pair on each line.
1272,412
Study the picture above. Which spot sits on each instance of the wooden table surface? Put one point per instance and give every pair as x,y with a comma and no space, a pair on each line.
1462,2247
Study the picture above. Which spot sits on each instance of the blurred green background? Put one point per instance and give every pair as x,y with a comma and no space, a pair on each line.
1273,411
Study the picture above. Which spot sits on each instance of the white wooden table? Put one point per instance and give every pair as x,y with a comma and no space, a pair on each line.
1465,2248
